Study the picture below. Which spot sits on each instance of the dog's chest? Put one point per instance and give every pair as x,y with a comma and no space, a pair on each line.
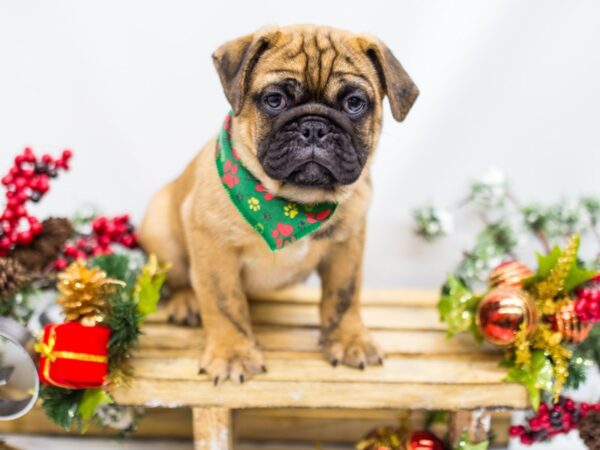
264,270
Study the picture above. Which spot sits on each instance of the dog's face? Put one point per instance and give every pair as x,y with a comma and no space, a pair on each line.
308,102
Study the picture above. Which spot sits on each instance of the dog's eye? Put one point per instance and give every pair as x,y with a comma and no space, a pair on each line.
275,102
354,105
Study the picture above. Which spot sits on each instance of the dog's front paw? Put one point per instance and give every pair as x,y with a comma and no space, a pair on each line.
237,362
352,348
183,308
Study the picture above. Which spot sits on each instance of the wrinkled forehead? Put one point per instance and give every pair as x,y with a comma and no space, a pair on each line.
320,62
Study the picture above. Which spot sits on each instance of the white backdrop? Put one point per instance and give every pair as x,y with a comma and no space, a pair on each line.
130,87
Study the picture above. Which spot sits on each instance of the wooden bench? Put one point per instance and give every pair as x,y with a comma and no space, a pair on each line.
423,370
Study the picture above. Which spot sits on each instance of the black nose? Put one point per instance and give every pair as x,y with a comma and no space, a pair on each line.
313,129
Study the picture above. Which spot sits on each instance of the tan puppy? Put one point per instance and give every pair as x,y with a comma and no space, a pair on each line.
307,105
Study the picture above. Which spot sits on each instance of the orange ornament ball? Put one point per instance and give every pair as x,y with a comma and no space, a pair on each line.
502,312
568,324
509,273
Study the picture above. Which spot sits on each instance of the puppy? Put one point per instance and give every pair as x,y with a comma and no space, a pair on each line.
306,116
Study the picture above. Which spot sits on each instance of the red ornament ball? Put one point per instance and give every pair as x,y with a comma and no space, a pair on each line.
502,312
509,273
424,440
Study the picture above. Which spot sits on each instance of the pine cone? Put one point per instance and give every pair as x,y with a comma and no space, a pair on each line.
47,245
83,293
12,278
589,430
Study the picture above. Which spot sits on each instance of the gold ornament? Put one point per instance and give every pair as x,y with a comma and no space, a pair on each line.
510,273
83,293
503,312
568,324
555,281
522,347
550,342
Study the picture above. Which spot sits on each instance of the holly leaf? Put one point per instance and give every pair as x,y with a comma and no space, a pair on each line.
547,262
537,376
457,306
464,443
91,400
148,285
578,276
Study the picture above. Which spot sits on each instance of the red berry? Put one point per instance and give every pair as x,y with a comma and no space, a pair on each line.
20,211
128,241
70,250
20,183
526,439
42,184
516,430
535,424
36,228
8,179
25,237
99,224
61,264
545,419
109,229
569,405
22,197
5,242
13,203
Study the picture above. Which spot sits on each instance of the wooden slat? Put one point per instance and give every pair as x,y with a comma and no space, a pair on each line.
162,336
414,299
290,446
373,297
375,317
298,425
266,394
317,425
307,315
309,367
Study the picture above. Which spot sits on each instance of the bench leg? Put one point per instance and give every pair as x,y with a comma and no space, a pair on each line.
212,429
476,423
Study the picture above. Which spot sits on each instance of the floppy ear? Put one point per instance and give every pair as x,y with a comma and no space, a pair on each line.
397,85
235,61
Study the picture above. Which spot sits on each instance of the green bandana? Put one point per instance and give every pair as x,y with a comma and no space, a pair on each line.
278,221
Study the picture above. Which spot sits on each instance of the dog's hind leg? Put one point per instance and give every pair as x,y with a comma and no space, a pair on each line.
160,233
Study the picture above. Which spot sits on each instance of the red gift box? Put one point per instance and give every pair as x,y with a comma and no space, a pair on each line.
74,356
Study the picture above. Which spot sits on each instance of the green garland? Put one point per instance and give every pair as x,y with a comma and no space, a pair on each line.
128,306
506,225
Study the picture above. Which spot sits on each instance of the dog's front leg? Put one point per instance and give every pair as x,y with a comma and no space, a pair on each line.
344,337
231,351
